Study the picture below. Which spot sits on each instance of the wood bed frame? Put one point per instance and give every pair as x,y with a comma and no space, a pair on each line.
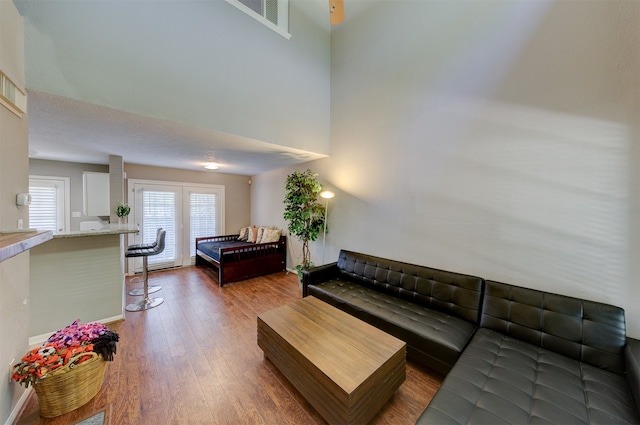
246,261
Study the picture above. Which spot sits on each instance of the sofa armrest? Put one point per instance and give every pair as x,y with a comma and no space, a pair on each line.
318,274
632,364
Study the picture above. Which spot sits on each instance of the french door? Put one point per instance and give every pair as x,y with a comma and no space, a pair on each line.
184,211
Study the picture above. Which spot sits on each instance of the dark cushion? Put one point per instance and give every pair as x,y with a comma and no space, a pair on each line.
586,331
502,380
433,338
632,366
212,249
149,250
448,292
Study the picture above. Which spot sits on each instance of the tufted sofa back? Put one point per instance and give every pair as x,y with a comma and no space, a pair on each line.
451,293
586,331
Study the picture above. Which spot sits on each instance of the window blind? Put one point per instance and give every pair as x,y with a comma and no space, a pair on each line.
43,211
202,207
159,210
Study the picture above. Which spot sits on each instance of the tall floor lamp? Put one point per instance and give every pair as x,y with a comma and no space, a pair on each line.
327,194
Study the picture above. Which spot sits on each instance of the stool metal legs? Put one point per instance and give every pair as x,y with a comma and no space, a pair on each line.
140,291
146,302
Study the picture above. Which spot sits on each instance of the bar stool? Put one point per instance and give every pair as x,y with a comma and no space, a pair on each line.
153,288
145,253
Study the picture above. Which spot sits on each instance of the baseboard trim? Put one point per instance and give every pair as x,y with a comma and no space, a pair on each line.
19,407
37,340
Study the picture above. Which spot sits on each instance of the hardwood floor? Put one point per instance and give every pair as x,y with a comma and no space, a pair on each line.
195,360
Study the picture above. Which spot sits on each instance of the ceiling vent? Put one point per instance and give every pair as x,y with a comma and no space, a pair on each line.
272,13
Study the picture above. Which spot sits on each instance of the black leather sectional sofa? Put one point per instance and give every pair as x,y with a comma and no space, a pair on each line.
434,311
512,355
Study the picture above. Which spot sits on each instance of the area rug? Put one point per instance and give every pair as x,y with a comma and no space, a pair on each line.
97,419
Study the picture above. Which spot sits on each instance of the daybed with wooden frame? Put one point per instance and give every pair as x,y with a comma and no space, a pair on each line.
238,260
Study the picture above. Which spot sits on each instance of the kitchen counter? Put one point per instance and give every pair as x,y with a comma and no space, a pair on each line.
77,275
13,243
111,229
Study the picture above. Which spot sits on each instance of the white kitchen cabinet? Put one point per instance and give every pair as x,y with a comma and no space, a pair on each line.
96,194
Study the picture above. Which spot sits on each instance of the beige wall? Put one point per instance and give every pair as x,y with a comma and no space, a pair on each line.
14,322
501,140
237,189
13,145
14,170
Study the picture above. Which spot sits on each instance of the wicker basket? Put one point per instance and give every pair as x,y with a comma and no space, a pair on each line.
71,386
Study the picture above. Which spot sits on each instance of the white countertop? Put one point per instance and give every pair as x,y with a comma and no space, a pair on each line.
110,229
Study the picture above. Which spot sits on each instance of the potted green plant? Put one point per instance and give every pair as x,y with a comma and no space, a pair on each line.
122,211
303,211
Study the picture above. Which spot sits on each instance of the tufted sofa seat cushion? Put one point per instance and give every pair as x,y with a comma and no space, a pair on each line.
502,380
434,338
434,311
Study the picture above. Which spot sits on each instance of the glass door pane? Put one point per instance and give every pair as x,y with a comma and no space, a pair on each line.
159,206
202,213
159,210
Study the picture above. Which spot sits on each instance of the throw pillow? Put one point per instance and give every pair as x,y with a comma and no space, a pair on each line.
260,232
271,235
253,234
244,234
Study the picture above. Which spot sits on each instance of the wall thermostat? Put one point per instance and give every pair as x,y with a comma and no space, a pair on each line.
23,199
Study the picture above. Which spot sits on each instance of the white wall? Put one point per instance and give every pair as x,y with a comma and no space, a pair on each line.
14,172
267,207
496,138
202,63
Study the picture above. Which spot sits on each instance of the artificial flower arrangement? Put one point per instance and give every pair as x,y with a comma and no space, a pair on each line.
61,347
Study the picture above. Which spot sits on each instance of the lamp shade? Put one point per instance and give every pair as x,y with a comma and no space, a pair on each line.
327,194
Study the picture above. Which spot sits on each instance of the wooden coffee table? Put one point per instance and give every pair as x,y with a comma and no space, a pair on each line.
345,368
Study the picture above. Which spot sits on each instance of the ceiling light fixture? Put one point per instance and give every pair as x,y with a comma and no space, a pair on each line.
211,166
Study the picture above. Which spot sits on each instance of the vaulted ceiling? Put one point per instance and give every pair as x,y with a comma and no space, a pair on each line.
176,84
